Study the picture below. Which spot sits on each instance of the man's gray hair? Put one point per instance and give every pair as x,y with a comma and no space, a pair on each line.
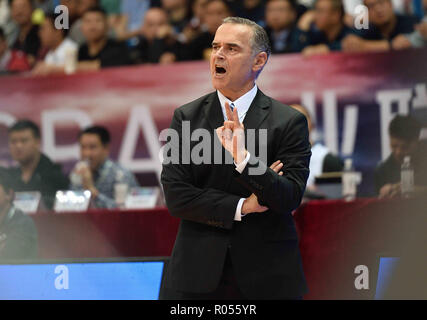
259,41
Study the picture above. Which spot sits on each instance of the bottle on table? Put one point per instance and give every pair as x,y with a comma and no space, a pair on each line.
406,177
349,184
121,189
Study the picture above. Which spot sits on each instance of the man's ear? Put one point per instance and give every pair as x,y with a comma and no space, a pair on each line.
259,61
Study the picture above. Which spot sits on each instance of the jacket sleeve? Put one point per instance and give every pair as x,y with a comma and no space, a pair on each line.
186,201
282,193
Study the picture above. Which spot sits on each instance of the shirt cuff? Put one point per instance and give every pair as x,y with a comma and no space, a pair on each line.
242,165
238,215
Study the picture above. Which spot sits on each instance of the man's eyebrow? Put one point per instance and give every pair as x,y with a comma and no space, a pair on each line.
230,44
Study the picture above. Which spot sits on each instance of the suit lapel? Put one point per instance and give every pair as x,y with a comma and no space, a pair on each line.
257,112
213,111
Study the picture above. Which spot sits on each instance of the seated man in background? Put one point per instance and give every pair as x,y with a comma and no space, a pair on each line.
384,26
57,45
322,159
96,172
5,54
18,234
323,29
36,172
99,51
404,132
250,9
157,41
200,47
126,21
76,9
280,18
415,39
178,13
27,41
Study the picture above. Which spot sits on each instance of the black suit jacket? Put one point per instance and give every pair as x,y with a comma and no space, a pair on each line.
263,246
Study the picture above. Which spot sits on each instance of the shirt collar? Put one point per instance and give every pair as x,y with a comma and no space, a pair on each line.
242,104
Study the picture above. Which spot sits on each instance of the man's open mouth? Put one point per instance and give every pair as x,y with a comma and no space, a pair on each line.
220,70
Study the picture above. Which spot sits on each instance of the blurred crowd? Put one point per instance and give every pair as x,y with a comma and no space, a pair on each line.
105,33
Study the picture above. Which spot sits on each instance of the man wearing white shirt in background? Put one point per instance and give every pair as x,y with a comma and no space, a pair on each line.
60,48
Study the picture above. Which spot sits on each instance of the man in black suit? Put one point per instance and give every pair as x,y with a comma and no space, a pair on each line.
237,238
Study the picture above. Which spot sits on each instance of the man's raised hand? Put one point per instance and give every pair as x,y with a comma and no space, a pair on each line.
232,135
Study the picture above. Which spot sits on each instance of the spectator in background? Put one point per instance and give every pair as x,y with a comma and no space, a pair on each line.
323,29
96,172
99,51
77,9
404,132
5,54
35,171
157,42
18,233
322,159
57,44
27,41
200,47
196,24
4,12
11,61
74,32
10,29
384,26
250,9
415,39
179,13
132,15
280,18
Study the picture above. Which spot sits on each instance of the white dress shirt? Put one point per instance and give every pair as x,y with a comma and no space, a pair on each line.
242,104
57,56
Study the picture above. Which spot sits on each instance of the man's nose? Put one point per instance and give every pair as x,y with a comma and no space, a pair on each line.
219,53
85,155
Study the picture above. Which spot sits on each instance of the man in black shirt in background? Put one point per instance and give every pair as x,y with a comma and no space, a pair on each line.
404,132
99,51
35,172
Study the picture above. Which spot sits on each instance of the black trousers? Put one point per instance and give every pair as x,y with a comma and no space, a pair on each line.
227,288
